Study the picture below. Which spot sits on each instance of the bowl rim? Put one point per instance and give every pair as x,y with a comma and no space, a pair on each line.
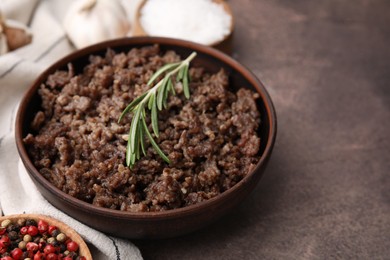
138,41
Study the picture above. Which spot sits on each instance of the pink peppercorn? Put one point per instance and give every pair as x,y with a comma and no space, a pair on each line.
43,226
51,229
72,246
52,256
4,241
38,256
23,230
17,253
32,231
49,249
31,246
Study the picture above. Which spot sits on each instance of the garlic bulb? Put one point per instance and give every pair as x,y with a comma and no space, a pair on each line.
13,35
91,21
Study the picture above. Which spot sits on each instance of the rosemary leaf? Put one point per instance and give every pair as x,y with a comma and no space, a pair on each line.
128,153
131,106
160,93
166,92
180,74
133,128
155,99
142,141
162,70
132,159
186,89
151,100
137,145
171,87
154,144
154,119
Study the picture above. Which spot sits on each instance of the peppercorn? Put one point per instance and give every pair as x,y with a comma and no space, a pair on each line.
22,245
72,246
23,230
42,226
5,223
31,222
62,248
13,227
51,240
32,231
51,256
21,222
49,249
36,239
13,244
51,229
61,237
38,256
31,246
56,243
55,232
4,241
27,238
25,255
13,235
17,253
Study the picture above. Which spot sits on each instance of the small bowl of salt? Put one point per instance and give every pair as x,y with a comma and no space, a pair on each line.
208,22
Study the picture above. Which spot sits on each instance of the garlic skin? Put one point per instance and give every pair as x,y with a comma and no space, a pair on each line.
18,34
3,41
13,35
92,21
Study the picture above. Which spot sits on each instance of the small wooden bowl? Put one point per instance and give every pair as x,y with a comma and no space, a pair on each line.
224,44
68,231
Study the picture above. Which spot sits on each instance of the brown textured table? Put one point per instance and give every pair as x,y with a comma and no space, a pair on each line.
326,192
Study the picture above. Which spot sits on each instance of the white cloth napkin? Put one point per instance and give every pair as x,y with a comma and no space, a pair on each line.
18,69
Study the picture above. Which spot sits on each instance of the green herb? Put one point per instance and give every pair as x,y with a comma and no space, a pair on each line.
155,99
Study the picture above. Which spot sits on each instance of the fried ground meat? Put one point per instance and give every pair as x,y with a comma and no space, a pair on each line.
78,145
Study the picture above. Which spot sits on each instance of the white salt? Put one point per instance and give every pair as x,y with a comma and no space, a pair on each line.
202,21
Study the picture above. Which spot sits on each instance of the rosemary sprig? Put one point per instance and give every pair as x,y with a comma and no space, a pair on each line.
155,99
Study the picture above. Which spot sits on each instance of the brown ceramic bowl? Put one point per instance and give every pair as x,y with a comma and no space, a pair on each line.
67,230
152,224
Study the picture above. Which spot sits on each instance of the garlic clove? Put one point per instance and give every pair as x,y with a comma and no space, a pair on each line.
91,21
18,35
